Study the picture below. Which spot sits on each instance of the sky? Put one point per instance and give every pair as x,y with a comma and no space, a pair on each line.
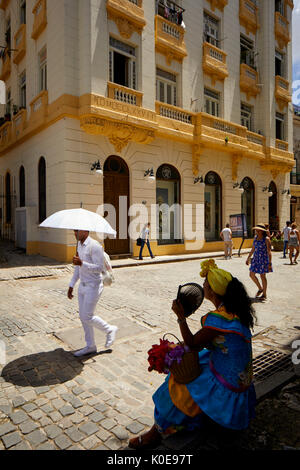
296,52
296,57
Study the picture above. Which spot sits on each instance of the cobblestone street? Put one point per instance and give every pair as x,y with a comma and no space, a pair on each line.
52,400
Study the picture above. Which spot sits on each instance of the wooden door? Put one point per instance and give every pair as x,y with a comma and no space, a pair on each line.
116,186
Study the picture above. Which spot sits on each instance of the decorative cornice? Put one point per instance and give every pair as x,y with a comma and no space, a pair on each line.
119,134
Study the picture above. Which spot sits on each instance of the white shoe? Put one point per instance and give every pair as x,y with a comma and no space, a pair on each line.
111,336
85,351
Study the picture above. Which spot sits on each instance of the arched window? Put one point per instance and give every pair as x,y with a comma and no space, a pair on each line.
168,201
42,189
213,206
273,216
248,204
22,186
7,198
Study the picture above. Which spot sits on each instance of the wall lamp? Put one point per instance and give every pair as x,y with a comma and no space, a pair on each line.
238,187
97,166
149,174
287,192
266,188
200,180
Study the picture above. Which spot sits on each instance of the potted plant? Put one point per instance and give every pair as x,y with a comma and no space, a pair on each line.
277,243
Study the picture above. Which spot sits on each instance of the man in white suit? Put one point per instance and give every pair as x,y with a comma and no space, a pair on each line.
88,267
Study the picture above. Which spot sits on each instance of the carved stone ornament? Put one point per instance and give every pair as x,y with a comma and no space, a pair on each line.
119,134
125,27
235,162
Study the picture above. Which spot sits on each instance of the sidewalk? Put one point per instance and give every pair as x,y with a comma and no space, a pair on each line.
51,400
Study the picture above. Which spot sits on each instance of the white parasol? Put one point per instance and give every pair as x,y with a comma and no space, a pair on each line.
79,219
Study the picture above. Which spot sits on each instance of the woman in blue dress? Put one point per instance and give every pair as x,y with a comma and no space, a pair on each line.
261,262
224,390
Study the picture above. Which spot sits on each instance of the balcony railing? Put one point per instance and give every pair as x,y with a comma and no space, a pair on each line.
249,80
256,138
169,39
281,30
214,62
249,16
20,44
5,134
40,18
39,108
128,16
170,11
124,94
218,133
19,123
173,112
282,145
282,93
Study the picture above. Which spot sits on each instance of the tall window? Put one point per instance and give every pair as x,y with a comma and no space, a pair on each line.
122,64
246,116
247,52
168,223
8,109
42,189
166,87
43,69
7,198
22,85
212,102
280,126
248,200
279,6
279,64
211,30
22,186
8,35
212,206
22,11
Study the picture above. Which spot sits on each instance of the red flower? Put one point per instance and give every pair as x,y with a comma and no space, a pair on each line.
157,355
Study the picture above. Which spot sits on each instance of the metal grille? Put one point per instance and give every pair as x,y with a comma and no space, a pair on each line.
270,363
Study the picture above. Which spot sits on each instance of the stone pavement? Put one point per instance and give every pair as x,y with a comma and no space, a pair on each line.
51,400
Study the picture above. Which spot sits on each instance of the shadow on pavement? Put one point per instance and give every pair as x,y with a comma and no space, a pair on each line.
12,257
41,369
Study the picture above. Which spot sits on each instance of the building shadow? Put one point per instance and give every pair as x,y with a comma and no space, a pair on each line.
12,257
41,369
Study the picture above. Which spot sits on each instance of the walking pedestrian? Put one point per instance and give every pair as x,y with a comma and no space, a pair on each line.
293,243
261,263
145,240
226,235
88,267
285,233
224,390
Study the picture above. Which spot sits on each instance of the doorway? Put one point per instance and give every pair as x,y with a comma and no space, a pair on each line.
116,193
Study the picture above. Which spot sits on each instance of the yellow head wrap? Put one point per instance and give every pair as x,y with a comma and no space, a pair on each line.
218,279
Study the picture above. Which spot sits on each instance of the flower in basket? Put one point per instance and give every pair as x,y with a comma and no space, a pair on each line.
162,356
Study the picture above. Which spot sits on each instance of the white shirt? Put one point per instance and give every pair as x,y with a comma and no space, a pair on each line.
286,232
226,234
91,254
145,233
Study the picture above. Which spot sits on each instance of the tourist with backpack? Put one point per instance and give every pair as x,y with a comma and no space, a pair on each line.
90,262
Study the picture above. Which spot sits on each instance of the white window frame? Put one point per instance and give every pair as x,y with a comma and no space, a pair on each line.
212,102
166,87
22,89
247,116
250,46
130,53
281,56
42,67
211,29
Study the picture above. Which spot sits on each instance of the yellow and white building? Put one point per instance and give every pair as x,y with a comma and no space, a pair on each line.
197,89
295,175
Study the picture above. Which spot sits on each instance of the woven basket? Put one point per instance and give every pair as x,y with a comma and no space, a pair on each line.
188,369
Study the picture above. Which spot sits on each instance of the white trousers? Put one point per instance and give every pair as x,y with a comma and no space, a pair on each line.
88,296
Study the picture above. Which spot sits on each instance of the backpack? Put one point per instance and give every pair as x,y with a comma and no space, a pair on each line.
107,273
